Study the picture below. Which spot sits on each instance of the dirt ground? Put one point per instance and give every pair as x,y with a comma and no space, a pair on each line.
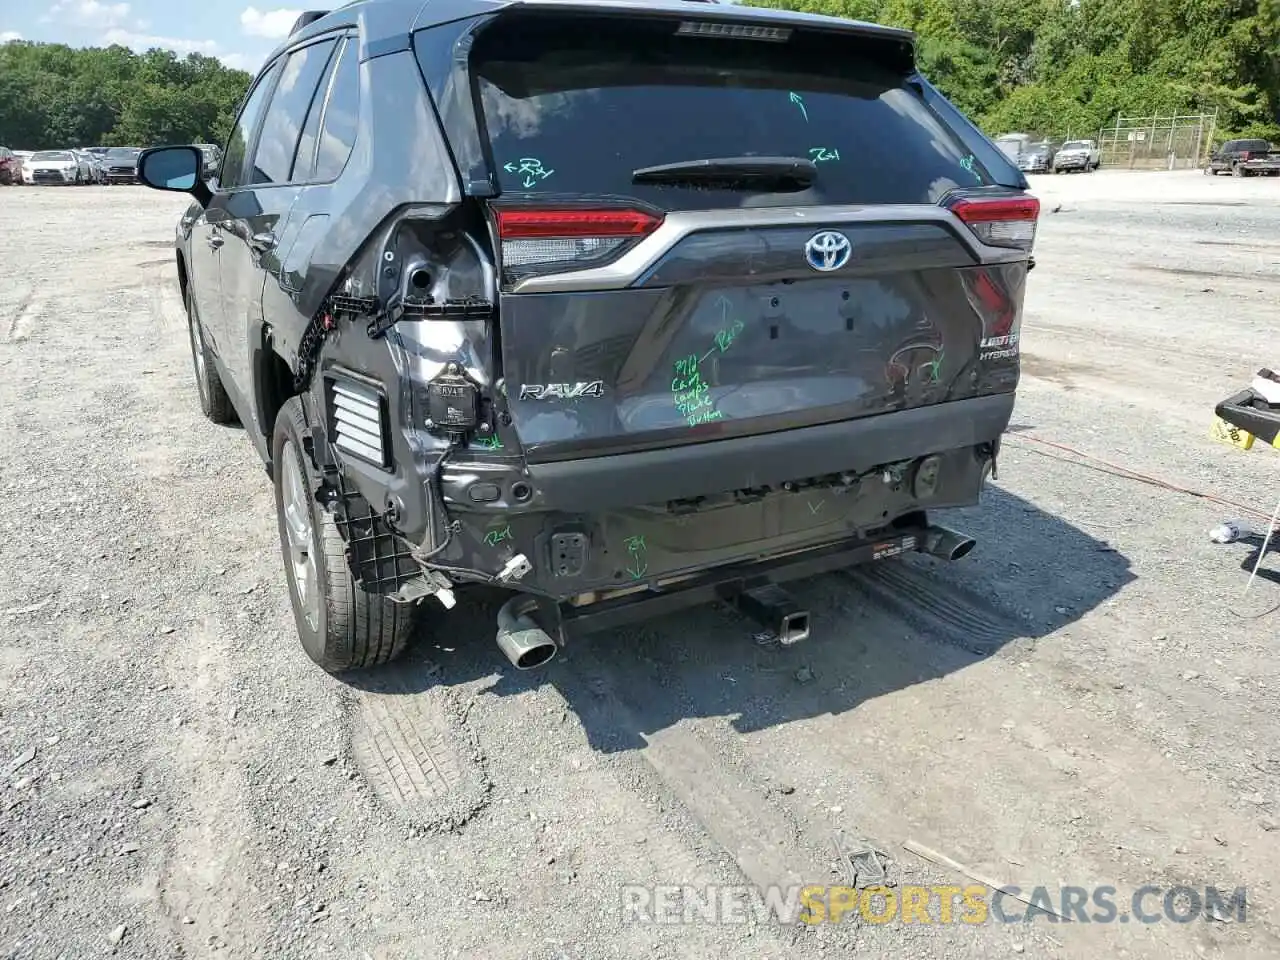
1082,701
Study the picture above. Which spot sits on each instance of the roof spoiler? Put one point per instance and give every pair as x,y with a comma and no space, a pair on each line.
306,19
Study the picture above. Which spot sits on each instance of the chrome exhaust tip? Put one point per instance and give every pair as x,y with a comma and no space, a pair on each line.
947,544
525,644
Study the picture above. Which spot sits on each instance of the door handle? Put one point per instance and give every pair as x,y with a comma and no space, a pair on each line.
262,242
215,241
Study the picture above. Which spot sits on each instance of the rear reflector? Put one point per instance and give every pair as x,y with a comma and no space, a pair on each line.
1000,221
573,237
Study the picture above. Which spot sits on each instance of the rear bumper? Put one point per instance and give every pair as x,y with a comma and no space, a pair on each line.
600,524
657,476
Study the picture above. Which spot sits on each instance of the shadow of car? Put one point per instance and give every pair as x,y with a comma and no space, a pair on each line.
877,629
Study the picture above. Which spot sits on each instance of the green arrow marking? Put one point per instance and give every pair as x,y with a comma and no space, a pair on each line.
638,571
799,102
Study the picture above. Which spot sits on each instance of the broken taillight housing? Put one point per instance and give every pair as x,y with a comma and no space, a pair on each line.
1000,221
541,239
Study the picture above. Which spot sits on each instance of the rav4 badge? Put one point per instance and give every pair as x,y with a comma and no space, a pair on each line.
562,391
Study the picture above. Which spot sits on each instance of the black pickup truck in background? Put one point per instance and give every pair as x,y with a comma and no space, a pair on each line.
1244,158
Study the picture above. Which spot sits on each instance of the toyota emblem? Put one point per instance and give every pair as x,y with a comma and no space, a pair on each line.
828,250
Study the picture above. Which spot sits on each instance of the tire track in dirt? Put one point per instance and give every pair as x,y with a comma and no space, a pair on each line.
754,833
941,610
24,318
208,880
415,751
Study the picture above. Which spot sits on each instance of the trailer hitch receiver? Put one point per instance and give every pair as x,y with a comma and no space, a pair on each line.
772,607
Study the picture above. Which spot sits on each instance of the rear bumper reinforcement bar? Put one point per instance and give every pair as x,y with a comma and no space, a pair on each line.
727,583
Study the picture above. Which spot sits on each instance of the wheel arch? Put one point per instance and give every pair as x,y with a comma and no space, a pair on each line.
273,384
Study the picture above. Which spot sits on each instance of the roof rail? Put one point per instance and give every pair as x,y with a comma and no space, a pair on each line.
307,18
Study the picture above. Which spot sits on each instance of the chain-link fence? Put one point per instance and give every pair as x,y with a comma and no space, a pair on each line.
1157,143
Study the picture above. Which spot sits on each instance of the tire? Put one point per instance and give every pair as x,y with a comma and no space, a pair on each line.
340,625
214,402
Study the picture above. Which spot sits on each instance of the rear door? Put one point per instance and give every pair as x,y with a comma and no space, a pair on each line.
646,305
209,230
256,213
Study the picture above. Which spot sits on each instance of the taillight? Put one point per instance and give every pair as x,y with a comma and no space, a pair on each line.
1000,221
570,238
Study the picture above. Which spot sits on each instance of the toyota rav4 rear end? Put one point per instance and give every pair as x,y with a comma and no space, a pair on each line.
732,296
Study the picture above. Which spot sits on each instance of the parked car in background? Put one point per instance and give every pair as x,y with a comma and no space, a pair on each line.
1037,158
1244,158
212,156
1014,145
97,171
1080,155
23,156
57,167
122,164
10,167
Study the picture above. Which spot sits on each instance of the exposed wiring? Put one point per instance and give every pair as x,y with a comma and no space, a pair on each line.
436,473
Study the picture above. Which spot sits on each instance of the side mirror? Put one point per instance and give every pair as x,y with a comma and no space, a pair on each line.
177,169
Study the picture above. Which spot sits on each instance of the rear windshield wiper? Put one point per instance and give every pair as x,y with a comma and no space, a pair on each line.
759,173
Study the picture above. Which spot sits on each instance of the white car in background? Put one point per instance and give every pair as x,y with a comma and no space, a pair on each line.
1077,155
56,167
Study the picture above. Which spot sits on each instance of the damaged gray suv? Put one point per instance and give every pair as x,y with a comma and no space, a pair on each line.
620,307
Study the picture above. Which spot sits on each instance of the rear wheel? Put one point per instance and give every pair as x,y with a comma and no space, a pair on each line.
340,625
214,402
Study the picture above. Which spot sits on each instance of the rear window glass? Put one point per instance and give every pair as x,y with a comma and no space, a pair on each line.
575,106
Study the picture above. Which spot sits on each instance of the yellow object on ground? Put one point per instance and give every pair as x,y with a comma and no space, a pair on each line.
1230,434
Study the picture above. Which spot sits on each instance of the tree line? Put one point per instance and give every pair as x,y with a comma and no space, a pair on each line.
1052,66
53,96
1048,66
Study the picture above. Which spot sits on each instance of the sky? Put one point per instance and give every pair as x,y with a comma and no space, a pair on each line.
238,34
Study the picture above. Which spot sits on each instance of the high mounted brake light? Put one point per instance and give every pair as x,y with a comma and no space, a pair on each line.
1000,221
733,31
573,237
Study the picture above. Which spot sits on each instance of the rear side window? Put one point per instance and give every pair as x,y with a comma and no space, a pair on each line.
574,106
341,115
282,126
233,159
305,158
